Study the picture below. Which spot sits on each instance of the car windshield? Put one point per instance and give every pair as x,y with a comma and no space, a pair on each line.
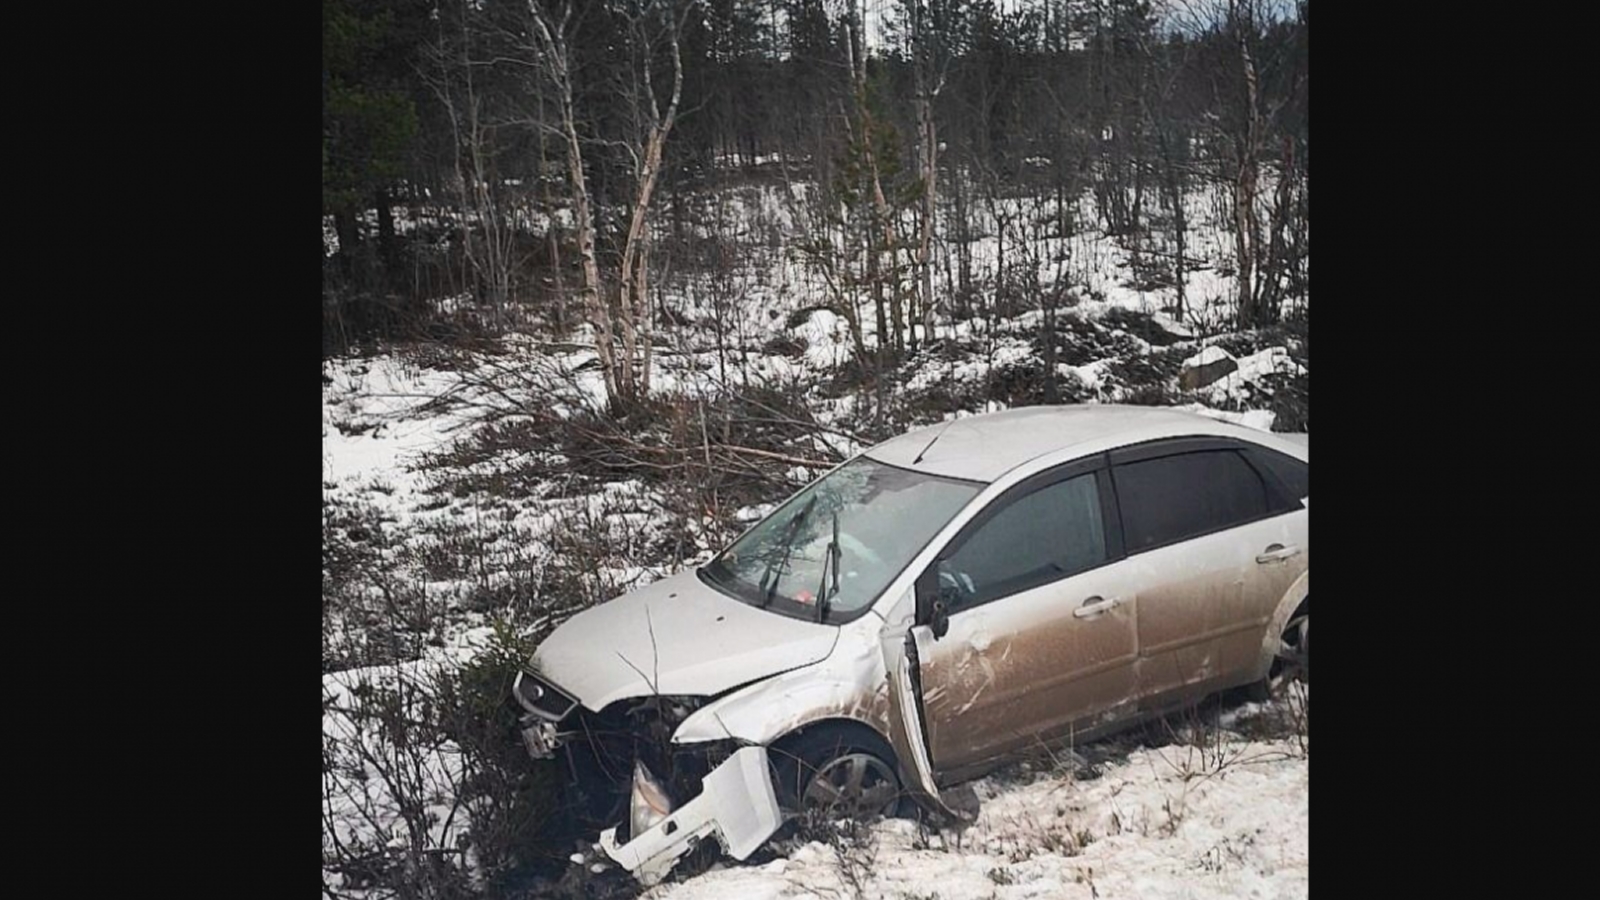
838,542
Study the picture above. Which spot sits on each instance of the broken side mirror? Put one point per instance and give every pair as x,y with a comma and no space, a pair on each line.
933,602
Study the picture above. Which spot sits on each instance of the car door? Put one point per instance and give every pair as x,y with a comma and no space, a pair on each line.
1285,558
1212,543
1035,629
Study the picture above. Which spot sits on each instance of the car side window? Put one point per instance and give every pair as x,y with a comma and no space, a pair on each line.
1292,473
1046,535
1173,498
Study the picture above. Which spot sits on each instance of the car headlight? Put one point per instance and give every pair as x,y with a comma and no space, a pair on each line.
648,804
540,697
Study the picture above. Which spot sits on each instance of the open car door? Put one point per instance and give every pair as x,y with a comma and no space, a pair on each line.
903,653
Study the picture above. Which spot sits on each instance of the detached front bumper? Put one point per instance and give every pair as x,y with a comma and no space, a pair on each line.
737,804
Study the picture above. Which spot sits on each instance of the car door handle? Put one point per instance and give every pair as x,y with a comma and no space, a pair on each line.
1094,606
1277,553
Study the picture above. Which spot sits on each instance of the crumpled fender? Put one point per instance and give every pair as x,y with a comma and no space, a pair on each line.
849,684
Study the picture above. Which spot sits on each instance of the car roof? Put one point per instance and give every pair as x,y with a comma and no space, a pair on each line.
985,447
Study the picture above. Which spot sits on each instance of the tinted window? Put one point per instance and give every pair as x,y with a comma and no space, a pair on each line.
1292,473
1051,533
1176,497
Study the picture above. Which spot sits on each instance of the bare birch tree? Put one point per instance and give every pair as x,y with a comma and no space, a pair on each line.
487,239
656,126
555,58
625,368
929,33
1247,163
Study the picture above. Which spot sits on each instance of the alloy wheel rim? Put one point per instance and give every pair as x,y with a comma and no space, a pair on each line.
853,785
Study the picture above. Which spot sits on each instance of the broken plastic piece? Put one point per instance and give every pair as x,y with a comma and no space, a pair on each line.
737,804
538,736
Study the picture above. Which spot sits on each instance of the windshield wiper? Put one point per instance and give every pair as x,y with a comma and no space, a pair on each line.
831,557
774,569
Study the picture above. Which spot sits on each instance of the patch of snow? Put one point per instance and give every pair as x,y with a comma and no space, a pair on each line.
1092,374
371,427
827,337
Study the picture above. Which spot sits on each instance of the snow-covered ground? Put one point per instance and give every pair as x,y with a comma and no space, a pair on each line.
1163,823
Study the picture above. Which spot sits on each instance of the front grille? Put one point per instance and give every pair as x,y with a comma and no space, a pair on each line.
542,698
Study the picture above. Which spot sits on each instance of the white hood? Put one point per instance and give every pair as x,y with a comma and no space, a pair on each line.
704,643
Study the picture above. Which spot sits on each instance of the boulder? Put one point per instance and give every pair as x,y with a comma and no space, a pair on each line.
1206,367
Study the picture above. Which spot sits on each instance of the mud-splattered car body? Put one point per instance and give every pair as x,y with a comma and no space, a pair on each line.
1042,574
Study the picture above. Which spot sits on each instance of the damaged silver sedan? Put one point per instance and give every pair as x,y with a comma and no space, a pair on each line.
924,612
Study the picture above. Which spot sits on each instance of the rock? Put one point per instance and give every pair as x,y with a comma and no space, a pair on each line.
1206,367
1171,327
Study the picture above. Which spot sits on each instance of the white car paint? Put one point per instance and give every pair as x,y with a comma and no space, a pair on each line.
676,637
1028,439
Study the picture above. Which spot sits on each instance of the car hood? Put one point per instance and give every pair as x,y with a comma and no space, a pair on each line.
675,637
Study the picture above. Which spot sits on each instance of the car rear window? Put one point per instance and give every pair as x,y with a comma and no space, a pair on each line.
1174,498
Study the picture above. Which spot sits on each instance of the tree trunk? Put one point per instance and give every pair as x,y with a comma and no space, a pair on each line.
632,300
884,219
345,226
879,306
963,242
930,171
1277,262
1246,180
1173,187
388,245
589,293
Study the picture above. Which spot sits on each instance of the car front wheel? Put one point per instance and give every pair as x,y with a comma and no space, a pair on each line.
1292,662
837,774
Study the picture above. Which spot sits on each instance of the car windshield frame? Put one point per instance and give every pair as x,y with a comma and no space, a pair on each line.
718,575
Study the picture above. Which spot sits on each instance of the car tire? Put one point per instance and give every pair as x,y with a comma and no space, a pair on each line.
836,772
1292,662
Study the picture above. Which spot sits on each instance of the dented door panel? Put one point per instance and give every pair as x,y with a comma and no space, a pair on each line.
1030,667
